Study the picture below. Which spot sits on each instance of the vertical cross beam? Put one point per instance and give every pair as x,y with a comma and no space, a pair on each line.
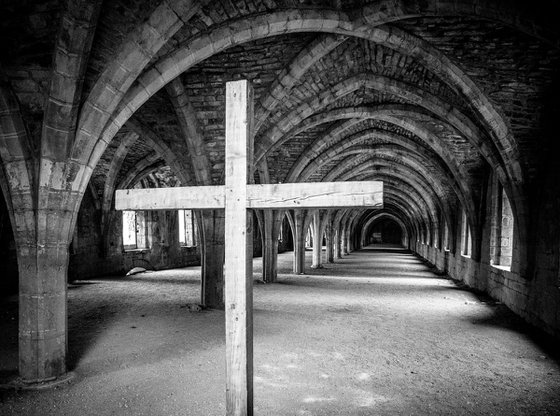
238,250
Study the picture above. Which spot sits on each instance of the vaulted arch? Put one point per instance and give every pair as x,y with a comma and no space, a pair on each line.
375,218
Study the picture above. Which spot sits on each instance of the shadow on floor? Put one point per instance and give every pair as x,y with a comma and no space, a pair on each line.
85,326
503,317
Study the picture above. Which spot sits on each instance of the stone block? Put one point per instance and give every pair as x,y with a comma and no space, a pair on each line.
17,175
83,144
94,119
184,9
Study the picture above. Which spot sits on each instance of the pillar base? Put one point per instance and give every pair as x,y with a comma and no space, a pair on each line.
320,266
19,384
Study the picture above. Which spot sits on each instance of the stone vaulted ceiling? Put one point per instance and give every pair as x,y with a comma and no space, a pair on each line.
428,96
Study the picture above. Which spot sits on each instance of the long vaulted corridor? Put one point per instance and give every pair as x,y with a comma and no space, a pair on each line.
374,333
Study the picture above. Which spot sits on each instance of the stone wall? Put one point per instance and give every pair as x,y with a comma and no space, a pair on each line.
536,299
530,288
92,256
8,256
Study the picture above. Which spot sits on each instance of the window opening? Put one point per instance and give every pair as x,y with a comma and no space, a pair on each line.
466,241
187,228
308,238
445,236
129,230
134,230
501,246
281,231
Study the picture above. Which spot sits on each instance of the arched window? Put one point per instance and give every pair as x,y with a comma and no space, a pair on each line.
187,228
281,230
501,240
466,241
308,238
134,230
445,236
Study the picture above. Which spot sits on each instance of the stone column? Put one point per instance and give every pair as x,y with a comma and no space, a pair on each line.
329,240
270,245
317,240
344,238
338,245
348,234
43,270
212,259
299,242
341,240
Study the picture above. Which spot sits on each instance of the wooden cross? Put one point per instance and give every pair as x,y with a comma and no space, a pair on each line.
237,197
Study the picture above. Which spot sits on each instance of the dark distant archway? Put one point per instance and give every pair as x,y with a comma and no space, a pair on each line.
386,231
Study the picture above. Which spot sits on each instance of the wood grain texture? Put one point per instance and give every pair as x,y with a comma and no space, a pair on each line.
267,196
189,197
238,272
316,195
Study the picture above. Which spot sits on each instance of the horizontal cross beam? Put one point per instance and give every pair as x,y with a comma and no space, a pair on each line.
267,196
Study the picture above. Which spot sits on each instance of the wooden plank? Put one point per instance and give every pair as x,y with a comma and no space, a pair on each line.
267,196
238,273
316,195
189,197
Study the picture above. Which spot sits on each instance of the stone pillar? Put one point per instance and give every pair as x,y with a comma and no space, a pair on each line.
299,242
45,196
341,240
338,245
270,245
329,240
43,269
317,240
348,234
345,240
337,241
212,259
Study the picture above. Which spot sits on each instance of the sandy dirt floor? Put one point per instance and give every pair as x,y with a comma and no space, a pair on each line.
374,334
